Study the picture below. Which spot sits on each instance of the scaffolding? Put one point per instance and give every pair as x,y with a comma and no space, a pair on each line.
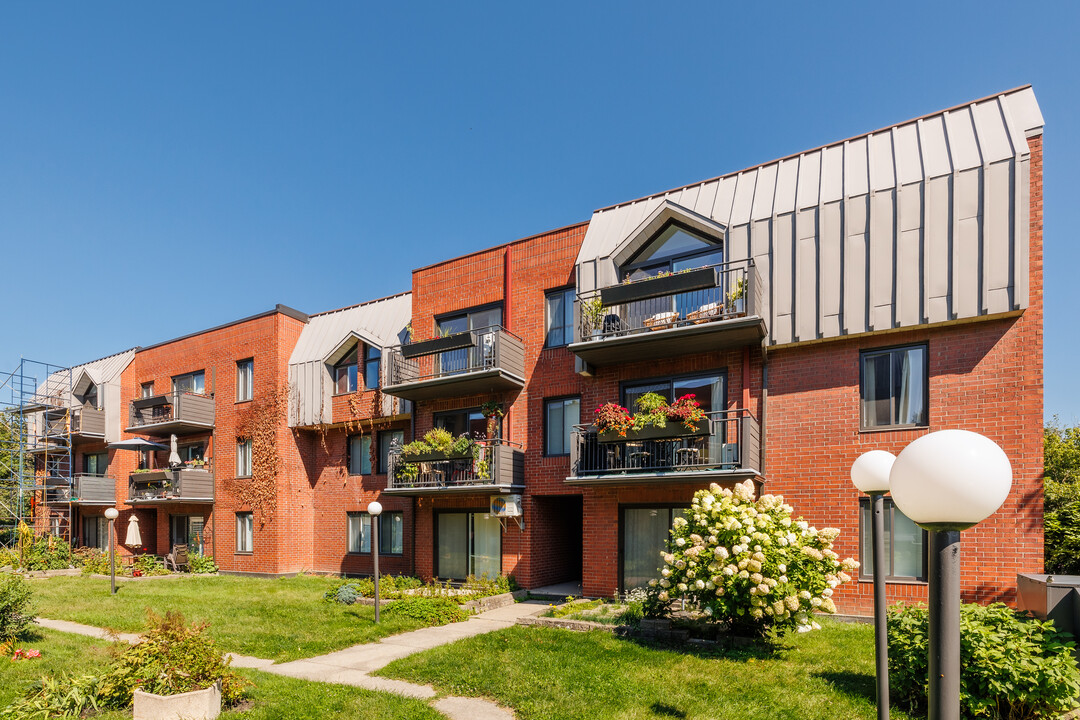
36,461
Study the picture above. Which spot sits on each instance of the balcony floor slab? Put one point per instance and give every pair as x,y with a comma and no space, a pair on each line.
671,342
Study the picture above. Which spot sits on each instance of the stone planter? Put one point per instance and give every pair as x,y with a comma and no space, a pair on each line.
194,705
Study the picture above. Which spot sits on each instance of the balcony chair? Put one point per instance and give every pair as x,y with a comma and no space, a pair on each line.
177,559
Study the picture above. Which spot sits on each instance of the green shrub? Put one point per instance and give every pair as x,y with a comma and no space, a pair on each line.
1013,666
170,658
63,697
9,557
431,610
93,561
16,616
149,565
202,564
46,552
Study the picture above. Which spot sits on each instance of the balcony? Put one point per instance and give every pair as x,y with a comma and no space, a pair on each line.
484,361
178,413
700,310
499,467
726,445
93,490
183,485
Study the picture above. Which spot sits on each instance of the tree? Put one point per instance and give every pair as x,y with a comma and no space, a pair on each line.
1061,493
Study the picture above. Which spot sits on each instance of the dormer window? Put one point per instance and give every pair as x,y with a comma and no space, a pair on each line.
90,397
676,248
345,373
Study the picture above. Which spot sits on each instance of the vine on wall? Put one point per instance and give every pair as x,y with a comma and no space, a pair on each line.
259,423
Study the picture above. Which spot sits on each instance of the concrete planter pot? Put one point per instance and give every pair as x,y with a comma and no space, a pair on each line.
194,705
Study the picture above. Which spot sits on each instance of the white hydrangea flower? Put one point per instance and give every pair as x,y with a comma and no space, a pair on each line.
804,594
679,522
753,566
681,587
743,574
665,583
680,541
782,567
666,572
652,583
699,584
756,577
815,625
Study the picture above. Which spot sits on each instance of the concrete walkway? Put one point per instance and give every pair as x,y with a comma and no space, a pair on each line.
354,665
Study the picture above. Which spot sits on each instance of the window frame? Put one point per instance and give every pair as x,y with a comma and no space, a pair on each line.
247,518
191,375
437,416
467,313
620,554
369,362
545,430
243,454
890,508
568,330
672,379
868,352
248,385
353,381
625,271
365,520
470,547
146,389
364,456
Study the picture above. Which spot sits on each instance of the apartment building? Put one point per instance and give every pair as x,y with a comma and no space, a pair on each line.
851,297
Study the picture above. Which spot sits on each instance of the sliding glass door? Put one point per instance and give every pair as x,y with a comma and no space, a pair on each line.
468,543
644,535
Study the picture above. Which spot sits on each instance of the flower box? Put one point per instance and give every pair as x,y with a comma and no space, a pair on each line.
673,430
194,705
681,282
438,345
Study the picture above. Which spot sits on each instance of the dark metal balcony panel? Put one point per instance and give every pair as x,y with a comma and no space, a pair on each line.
492,360
176,413
672,342
88,424
93,490
505,473
473,383
159,487
636,478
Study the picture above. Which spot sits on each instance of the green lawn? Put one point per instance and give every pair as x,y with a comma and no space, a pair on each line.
272,696
279,619
558,674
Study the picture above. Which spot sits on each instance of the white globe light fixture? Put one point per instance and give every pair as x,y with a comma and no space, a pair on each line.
870,474
375,510
112,513
946,482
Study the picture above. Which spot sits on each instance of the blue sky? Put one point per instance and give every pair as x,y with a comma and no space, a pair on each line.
166,168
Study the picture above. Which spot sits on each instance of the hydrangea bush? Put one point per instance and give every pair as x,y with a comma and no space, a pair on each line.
748,563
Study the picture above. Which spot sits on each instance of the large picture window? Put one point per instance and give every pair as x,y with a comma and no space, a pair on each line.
391,533
894,388
470,421
467,543
905,544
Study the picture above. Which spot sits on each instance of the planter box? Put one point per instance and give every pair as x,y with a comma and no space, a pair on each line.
438,345
671,431
435,457
659,287
195,705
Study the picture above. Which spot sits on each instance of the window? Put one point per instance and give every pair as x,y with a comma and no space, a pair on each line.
905,544
243,458
387,438
95,463
187,530
372,359
191,452
894,387
560,417
90,397
391,533
146,389
190,383
345,374
467,543
676,248
96,532
470,421
359,455
245,532
709,390
482,355
559,318
644,535
245,380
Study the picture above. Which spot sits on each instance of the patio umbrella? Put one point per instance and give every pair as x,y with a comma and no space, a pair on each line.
134,537
174,456
137,444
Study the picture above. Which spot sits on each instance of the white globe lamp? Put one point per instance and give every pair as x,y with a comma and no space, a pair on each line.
870,471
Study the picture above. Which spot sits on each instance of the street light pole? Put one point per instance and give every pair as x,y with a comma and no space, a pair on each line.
374,510
870,474
112,514
946,482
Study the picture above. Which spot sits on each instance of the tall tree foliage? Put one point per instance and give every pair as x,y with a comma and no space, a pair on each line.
1061,466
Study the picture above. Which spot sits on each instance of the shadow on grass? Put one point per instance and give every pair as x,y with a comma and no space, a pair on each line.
666,711
723,649
859,685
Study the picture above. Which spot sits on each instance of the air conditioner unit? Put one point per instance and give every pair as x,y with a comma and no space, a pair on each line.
504,506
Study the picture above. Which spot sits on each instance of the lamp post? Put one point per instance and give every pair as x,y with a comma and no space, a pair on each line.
112,514
870,474
946,482
374,510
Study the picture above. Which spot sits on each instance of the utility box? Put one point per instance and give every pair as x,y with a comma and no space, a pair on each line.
1051,597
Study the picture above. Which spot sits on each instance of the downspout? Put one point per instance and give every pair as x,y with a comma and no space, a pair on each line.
508,288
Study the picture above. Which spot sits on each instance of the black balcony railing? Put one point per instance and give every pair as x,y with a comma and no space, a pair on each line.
488,359
729,441
495,463
695,297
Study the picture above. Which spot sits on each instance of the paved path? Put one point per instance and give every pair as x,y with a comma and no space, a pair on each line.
354,665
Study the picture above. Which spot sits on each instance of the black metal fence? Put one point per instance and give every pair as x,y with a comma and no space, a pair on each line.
473,351
496,462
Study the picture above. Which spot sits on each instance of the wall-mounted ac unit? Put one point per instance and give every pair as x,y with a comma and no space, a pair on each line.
504,506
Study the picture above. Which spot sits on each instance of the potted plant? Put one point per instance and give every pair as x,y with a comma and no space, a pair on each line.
736,297
592,318
492,410
614,422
